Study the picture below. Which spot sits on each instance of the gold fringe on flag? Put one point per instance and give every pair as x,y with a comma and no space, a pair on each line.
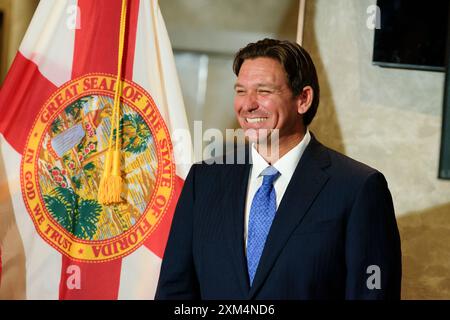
111,183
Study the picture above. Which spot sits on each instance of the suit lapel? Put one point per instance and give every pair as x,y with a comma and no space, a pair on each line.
306,183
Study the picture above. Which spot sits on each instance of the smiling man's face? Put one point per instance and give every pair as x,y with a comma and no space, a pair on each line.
264,100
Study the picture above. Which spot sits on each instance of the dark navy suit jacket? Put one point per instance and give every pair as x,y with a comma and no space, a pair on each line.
335,221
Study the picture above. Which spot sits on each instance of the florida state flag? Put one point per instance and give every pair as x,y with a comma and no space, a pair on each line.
90,77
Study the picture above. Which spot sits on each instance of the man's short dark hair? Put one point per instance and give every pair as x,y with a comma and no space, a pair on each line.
296,61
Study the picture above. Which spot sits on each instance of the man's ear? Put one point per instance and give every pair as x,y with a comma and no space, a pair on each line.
304,100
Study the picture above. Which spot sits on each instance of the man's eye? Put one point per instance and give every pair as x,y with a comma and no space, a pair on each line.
240,92
264,91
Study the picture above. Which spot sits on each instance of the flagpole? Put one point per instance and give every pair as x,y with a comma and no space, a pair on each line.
301,21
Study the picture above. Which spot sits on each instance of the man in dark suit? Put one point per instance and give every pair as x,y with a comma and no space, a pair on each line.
306,223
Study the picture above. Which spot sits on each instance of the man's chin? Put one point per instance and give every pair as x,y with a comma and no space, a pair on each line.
258,135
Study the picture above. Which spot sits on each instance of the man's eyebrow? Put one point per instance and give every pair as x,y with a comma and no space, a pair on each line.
267,85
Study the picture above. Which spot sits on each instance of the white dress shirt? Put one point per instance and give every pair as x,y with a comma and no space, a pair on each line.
285,165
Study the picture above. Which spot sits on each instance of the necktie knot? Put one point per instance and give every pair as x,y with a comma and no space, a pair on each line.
270,174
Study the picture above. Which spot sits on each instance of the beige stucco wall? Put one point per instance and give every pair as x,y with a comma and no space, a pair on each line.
17,16
391,120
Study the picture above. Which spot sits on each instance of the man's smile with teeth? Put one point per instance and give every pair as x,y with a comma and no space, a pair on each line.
255,120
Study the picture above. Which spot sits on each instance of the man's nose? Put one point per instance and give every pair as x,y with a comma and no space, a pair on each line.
251,102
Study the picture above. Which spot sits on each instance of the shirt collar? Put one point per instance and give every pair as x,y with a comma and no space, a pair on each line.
286,164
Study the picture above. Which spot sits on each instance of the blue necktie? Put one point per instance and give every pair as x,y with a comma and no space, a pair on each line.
262,212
